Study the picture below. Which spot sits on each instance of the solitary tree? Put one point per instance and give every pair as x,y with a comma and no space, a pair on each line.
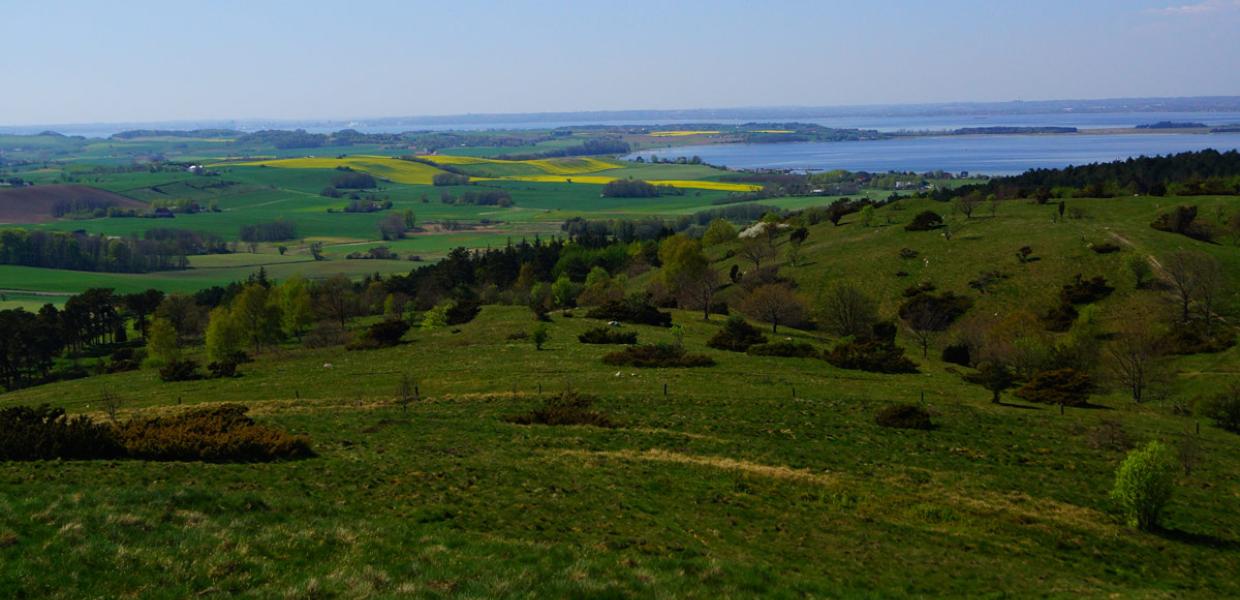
845,310
162,346
225,336
336,299
756,250
774,303
994,376
1135,352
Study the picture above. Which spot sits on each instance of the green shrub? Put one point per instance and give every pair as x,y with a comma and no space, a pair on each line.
874,356
737,335
180,370
1144,484
607,335
657,355
217,434
45,433
1068,387
904,416
569,408
784,348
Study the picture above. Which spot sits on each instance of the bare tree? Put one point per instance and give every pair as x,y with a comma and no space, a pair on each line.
111,404
1134,355
756,250
336,299
774,303
844,310
697,287
924,320
406,393
1192,275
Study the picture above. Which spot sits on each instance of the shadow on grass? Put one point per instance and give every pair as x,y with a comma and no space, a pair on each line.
1203,540
1020,406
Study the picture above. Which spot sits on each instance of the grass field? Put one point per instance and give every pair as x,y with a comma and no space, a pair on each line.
760,476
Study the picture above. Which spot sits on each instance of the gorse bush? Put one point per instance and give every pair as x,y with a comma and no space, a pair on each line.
383,334
1085,291
635,309
737,335
607,335
1068,387
569,408
904,416
925,221
180,370
874,356
784,348
1223,408
657,355
217,434
45,433
1144,484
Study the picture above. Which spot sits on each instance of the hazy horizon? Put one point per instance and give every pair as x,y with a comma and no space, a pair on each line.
146,62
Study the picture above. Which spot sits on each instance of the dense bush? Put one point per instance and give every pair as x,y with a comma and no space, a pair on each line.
1144,483
1192,338
442,179
180,370
1183,220
635,309
737,335
657,355
1068,387
1085,291
630,188
1060,317
874,356
958,354
607,335
45,433
353,180
383,334
925,221
935,312
217,434
904,416
1223,408
784,348
1105,248
569,408
462,312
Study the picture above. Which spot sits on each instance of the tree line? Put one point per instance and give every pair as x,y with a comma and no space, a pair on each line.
80,251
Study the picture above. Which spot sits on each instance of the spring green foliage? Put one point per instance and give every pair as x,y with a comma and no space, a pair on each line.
296,311
1144,484
225,335
161,343
436,317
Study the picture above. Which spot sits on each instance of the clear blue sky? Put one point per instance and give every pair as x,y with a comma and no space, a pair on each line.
68,62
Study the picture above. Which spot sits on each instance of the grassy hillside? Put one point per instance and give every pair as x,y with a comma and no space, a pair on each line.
759,476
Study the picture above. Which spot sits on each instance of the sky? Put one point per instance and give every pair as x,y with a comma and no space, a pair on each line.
139,61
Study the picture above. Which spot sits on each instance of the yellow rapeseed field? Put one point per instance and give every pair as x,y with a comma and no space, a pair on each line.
550,166
603,179
680,133
386,167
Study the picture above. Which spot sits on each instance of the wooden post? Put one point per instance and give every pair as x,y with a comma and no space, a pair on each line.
540,388
415,392
664,390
